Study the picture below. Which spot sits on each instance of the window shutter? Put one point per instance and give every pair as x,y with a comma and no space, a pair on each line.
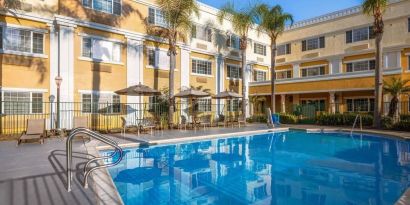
254,48
228,41
304,45
304,72
371,33
117,7
322,70
209,35
264,50
151,16
289,74
322,42
372,64
193,31
349,36
228,71
239,72
1,37
408,26
349,67
288,49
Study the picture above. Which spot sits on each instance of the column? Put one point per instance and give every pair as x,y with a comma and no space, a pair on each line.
65,63
283,103
185,78
53,73
220,81
296,72
332,102
247,74
135,75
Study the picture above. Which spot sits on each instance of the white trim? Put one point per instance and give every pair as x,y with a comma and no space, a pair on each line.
202,75
38,90
99,61
35,55
201,59
407,54
101,38
234,79
158,68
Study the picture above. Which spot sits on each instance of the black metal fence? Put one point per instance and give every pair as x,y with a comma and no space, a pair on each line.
103,116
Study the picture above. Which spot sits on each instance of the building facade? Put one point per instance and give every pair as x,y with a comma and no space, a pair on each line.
100,46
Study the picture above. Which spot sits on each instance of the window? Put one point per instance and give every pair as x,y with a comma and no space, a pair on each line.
360,105
202,33
1,37
360,66
233,41
202,67
318,104
284,49
259,49
203,105
259,75
360,34
234,71
156,17
285,74
22,102
391,60
107,6
158,58
22,40
233,105
101,49
408,25
100,103
313,71
313,43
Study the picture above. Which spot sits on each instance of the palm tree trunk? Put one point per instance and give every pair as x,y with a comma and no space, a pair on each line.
378,83
393,107
172,55
272,77
244,98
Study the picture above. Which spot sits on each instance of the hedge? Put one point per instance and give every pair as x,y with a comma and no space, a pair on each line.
343,119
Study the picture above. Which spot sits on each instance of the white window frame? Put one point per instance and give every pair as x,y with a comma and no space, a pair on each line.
237,44
311,68
285,48
239,74
263,47
97,38
157,21
359,98
99,93
230,105
204,104
196,69
359,61
283,71
256,71
30,100
5,27
205,30
112,7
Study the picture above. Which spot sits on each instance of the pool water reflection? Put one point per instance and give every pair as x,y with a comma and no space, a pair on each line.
276,168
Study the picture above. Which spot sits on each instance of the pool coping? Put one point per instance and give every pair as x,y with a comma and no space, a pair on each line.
105,190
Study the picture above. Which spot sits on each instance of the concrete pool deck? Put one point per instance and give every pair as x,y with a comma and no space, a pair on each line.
35,174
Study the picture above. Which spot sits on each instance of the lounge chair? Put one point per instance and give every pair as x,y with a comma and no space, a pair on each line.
241,120
148,124
35,131
124,126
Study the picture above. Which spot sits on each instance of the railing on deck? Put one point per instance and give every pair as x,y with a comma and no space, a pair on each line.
101,116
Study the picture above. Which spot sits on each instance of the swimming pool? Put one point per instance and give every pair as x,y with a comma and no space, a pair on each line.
292,168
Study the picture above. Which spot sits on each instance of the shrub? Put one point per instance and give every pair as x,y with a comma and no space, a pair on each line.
343,119
288,118
405,117
403,125
257,118
387,122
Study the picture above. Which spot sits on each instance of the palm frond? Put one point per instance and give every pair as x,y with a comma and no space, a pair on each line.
273,20
370,7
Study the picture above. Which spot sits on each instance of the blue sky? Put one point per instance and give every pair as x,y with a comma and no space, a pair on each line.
300,9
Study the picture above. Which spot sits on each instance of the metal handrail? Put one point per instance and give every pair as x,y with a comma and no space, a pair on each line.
98,137
358,117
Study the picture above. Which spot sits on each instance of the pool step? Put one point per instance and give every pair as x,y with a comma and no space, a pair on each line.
322,130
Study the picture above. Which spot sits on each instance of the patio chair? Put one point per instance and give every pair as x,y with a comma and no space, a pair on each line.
205,121
81,122
148,124
35,131
241,120
124,126
183,123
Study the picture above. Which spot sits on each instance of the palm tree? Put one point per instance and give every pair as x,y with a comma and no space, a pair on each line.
395,88
242,20
273,21
376,8
177,14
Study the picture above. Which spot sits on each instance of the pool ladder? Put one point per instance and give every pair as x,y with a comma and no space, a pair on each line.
358,118
88,170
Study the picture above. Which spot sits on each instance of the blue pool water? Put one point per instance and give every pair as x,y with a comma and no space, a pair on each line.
291,168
